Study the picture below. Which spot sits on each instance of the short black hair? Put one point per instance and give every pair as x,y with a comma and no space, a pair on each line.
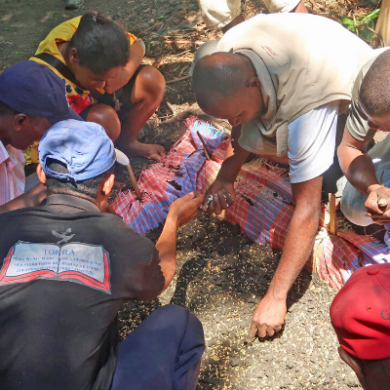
101,44
89,187
220,74
375,372
374,95
7,110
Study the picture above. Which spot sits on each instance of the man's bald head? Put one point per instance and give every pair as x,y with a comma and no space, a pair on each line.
221,75
374,94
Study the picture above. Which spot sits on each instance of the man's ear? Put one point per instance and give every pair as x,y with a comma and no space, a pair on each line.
108,184
20,121
41,174
352,362
73,55
254,82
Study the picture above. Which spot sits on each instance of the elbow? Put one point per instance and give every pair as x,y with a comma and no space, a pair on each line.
339,152
341,157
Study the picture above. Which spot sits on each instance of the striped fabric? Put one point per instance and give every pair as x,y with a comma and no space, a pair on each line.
12,178
263,207
184,169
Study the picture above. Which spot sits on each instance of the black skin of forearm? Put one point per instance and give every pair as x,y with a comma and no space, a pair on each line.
361,173
270,313
166,246
235,158
303,226
300,237
182,211
31,198
355,164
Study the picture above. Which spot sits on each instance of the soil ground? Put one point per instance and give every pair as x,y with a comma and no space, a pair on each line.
221,274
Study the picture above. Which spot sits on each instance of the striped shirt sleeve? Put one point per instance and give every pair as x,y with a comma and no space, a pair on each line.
12,178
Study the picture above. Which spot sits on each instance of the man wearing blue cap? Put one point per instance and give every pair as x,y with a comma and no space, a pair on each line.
66,270
32,99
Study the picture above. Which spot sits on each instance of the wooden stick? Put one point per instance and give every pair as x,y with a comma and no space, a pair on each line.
134,182
333,216
205,148
178,79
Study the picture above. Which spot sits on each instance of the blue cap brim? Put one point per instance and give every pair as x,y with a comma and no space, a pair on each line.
72,115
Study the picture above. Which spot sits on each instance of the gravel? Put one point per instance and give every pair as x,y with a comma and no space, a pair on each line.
221,276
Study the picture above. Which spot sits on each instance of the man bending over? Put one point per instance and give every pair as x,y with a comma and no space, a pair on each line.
66,269
281,82
105,80
32,99
366,198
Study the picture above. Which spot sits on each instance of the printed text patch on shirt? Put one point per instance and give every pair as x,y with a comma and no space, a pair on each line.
76,262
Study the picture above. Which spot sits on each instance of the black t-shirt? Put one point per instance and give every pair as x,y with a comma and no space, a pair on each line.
65,271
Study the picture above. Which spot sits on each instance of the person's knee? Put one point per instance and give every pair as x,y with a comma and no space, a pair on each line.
152,83
107,117
180,318
172,314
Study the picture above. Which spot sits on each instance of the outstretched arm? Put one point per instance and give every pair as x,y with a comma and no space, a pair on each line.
182,211
222,190
360,172
30,198
355,164
271,311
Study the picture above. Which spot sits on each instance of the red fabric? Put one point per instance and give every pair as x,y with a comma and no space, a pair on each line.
263,207
79,103
360,313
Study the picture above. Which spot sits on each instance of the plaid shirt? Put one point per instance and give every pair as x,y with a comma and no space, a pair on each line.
12,178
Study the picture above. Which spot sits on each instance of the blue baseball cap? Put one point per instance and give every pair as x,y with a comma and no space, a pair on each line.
83,147
34,89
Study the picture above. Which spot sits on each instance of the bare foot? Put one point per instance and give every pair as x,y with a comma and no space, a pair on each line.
150,151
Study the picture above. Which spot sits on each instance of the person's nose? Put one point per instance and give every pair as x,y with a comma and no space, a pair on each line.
235,121
100,84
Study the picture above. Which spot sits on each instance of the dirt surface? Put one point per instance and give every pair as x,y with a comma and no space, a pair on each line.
221,274
221,277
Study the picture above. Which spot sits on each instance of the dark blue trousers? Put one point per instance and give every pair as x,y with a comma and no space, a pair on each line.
163,353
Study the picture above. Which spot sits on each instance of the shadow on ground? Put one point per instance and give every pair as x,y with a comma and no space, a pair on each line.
222,275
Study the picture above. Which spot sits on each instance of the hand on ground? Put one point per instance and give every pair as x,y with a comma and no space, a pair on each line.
378,205
150,151
219,196
269,317
184,209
